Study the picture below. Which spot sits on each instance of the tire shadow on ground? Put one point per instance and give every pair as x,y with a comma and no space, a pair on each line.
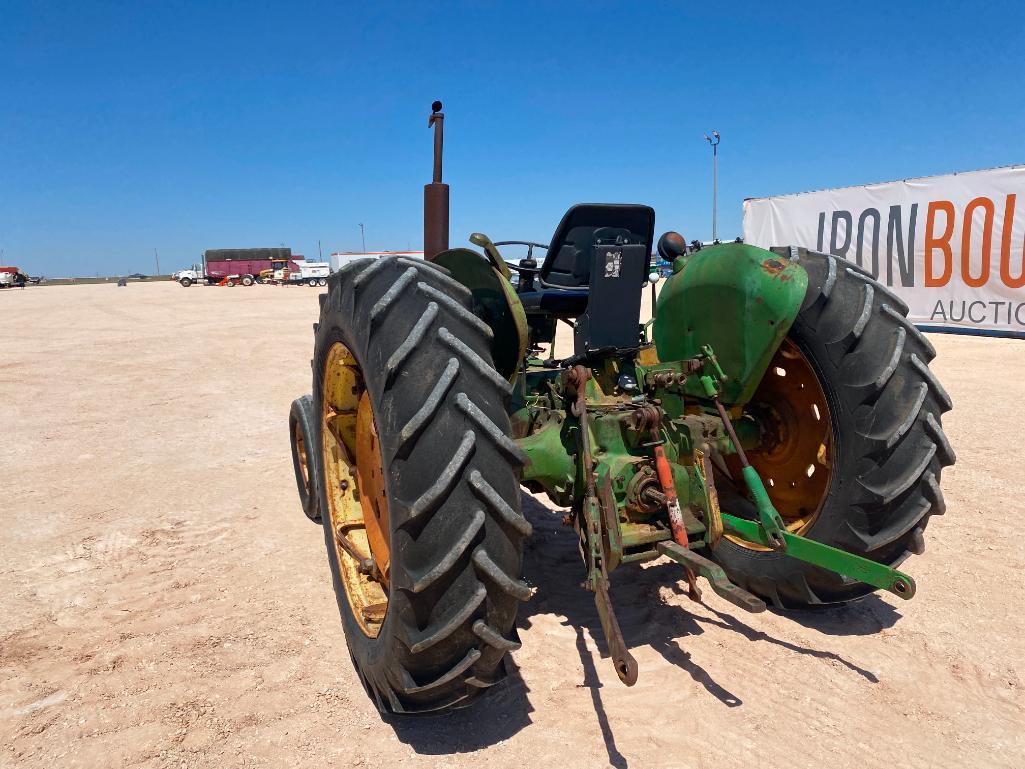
866,616
552,564
493,718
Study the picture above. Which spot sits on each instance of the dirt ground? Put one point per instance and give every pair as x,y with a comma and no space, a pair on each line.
164,603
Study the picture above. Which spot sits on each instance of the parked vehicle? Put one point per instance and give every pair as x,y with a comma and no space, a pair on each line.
295,272
187,277
278,273
12,277
313,273
776,431
232,266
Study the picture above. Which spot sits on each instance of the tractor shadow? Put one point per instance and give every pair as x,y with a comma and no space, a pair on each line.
493,718
552,564
866,616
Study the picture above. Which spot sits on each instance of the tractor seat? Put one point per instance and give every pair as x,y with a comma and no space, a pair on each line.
568,262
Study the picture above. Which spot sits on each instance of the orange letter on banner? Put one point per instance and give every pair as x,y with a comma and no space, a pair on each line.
942,242
987,242
1005,248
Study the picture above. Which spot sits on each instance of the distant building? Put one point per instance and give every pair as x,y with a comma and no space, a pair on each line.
340,258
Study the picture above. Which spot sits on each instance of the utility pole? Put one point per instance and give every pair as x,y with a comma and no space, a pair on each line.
362,237
320,252
714,141
157,257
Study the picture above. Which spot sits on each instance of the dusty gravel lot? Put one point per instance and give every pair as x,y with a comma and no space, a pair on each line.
163,601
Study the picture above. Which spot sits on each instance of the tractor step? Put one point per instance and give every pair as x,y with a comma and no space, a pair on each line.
714,574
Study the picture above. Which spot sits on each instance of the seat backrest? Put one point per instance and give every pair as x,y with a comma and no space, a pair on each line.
568,262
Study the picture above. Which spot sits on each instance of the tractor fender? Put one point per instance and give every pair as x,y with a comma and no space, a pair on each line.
739,299
495,302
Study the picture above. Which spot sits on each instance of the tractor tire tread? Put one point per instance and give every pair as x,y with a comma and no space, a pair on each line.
453,493
300,416
890,447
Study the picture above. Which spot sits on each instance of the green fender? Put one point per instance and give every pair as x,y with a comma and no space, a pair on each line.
740,300
494,301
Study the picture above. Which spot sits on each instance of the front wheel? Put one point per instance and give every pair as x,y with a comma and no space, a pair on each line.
186,282
852,445
300,432
418,484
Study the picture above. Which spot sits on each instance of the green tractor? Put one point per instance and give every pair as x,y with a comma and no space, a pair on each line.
775,430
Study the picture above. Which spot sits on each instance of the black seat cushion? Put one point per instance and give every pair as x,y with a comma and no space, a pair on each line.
561,304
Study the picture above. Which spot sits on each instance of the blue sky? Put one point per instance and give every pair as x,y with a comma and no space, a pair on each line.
126,127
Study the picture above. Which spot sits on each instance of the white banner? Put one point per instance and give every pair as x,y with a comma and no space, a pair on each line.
952,247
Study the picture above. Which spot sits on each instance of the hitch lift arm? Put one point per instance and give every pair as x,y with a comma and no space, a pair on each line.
844,563
591,522
771,532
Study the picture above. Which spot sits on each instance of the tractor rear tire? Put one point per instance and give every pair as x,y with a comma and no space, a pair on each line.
300,432
451,483
889,447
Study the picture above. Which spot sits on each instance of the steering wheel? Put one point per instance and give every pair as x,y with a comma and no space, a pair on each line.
530,253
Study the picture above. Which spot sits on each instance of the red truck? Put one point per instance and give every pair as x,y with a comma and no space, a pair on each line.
12,277
236,265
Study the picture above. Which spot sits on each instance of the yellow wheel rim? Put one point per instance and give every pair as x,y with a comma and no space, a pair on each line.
370,478
300,446
795,459
357,504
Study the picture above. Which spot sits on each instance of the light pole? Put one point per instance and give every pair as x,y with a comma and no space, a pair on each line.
362,237
714,141
157,257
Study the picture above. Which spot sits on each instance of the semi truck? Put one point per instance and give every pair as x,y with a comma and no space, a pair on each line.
236,265
195,274
245,266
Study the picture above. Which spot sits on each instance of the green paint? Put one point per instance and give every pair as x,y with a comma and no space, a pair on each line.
844,563
771,521
495,302
719,320
549,463
738,299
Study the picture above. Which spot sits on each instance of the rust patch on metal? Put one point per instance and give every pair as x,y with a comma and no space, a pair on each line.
372,495
795,457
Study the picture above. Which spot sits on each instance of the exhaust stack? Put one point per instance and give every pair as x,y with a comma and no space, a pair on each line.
436,193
